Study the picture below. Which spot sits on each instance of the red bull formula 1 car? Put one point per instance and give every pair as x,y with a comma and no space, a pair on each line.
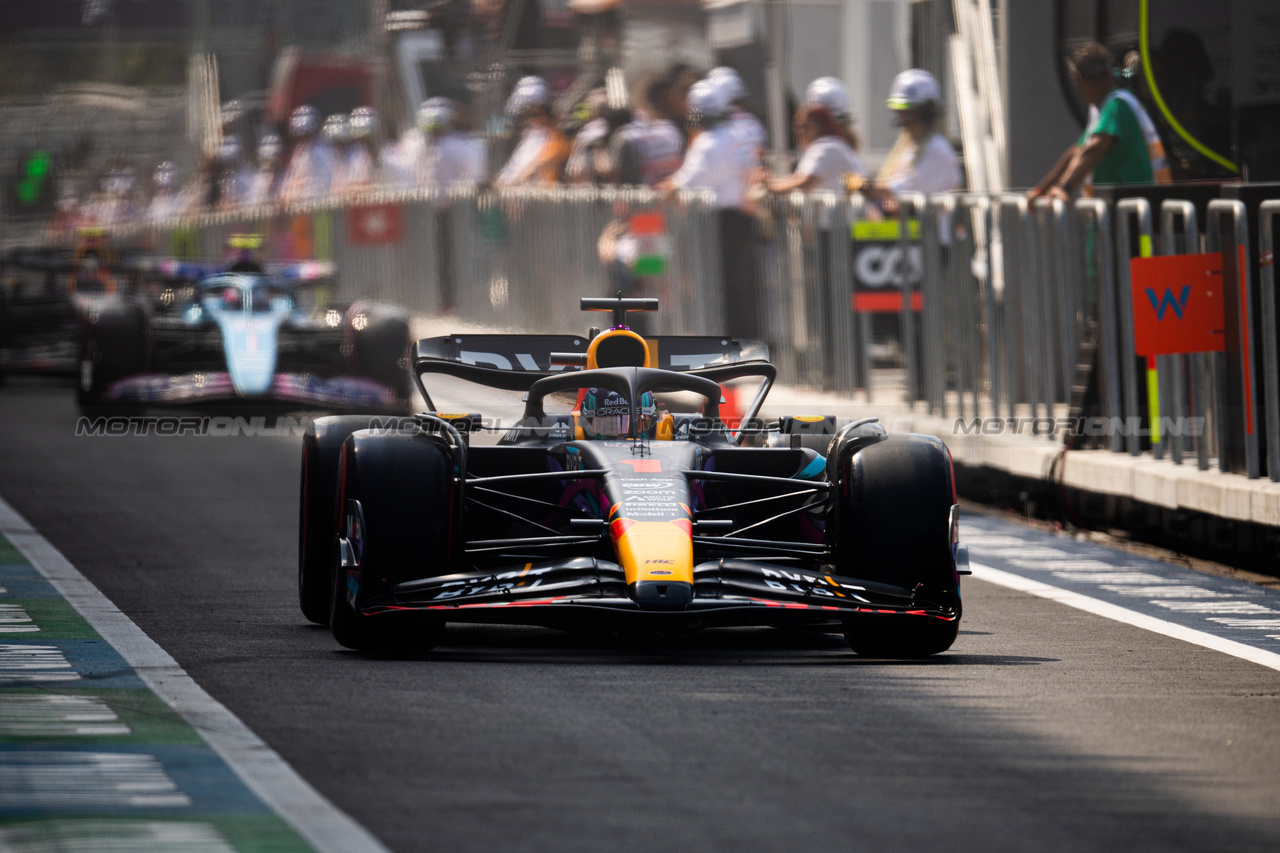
633,521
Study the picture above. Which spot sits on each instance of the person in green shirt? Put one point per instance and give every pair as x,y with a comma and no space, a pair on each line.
1119,147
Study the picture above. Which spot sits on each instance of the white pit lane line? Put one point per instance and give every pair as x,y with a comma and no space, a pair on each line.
275,783
1271,660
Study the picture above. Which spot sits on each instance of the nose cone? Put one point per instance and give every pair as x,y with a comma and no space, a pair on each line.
657,557
249,343
662,595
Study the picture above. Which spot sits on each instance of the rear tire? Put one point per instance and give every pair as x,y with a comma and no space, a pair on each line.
397,495
382,346
115,346
893,527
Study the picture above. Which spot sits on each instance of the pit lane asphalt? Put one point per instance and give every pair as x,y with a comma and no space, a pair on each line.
1044,727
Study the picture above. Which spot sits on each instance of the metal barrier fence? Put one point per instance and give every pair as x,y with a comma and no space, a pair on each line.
965,305
519,259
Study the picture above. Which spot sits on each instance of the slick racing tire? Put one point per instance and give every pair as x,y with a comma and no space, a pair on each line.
381,341
114,346
901,636
4,325
893,527
398,513
318,510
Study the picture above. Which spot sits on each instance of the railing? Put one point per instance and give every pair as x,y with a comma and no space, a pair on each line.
964,305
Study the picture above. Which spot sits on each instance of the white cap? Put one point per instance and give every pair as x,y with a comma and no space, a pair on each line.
730,80
336,128
912,88
303,121
166,174
529,92
269,148
435,112
229,150
708,98
829,92
363,122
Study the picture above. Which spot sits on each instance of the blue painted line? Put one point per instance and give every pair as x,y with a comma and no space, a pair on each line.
21,580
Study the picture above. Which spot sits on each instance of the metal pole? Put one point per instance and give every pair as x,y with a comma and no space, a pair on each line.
775,79
1109,345
1128,368
1270,358
1238,327
909,203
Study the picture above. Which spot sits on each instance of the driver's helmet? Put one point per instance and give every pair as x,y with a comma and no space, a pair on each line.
608,414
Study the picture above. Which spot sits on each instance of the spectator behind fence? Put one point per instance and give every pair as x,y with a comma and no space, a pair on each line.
714,163
363,169
922,160
649,148
235,175
262,189
447,158
166,198
830,92
590,130
747,129
827,161
1120,146
827,158
539,157
310,170
336,133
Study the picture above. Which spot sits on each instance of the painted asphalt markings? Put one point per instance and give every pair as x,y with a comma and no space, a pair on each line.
14,619
127,661
22,663
93,836
1128,617
33,779
1221,614
49,715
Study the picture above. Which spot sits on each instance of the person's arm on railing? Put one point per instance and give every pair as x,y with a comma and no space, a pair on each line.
1086,159
1051,179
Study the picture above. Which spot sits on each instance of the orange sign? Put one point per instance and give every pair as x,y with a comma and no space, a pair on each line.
1177,304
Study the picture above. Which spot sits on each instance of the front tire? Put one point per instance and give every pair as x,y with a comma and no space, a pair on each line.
318,510
396,494
893,527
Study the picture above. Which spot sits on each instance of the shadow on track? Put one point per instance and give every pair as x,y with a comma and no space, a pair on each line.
720,647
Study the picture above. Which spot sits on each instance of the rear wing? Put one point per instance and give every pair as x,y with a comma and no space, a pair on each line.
293,272
514,362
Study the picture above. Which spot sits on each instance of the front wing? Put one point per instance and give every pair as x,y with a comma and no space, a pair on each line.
589,593
297,389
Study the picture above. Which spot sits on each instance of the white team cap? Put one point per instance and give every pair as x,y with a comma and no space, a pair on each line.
912,88
829,92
